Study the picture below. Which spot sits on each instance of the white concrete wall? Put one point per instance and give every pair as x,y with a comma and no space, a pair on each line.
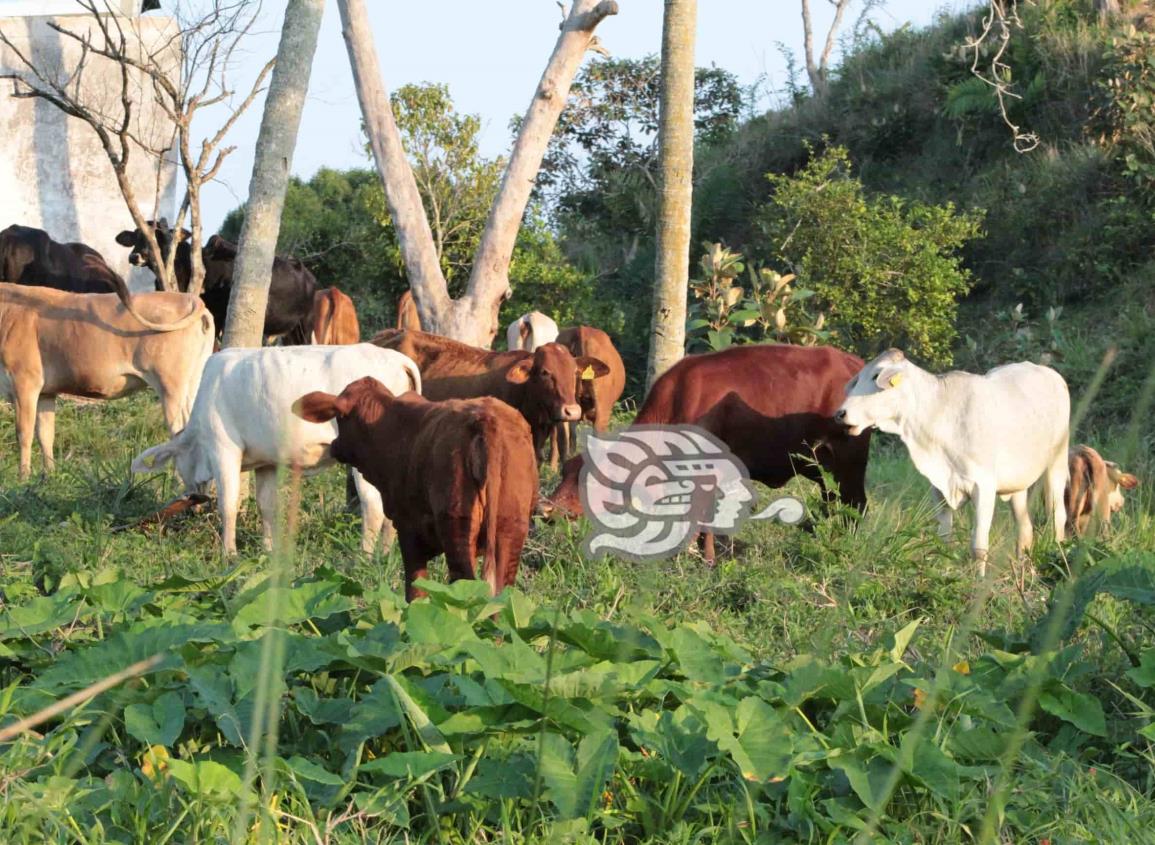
54,173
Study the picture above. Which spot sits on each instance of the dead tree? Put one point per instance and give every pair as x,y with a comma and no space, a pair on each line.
818,68
473,317
274,155
676,189
182,88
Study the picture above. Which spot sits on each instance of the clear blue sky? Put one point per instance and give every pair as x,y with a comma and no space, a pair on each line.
491,56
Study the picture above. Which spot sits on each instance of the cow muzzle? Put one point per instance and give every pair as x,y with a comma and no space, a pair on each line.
136,260
570,413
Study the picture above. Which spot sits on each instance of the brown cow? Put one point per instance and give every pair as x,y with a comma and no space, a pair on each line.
334,319
407,316
596,396
540,385
771,404
87,344
1094,489
456,477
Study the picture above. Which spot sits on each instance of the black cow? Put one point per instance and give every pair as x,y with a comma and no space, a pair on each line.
290,293
29,256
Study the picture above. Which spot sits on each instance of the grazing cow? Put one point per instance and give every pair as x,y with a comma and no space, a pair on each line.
596,396
529,331
88,344
456,477
977,437
540,385
29,256
333,321
242,420
290,291
1094,489
407,316
770,404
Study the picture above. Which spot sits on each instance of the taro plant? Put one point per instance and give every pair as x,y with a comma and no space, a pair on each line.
725,313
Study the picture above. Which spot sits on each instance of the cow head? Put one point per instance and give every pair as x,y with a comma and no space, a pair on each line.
192,464
166,239
358,407
1120,481
551,376
876,396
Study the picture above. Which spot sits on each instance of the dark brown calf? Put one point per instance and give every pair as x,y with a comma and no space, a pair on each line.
541,385
456,477
1094,489
596,396
770,404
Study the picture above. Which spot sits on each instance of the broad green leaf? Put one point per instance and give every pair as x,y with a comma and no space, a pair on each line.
1081,710
902,639
426,622
322,711
574,782
157,724
291,605
308,770
867,777
373,715
207,778
410,764
1143,675
417,716
509,778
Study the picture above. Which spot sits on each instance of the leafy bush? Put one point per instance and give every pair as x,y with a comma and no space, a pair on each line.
887,271
724,313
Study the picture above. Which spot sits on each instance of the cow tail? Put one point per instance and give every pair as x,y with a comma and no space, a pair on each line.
486,453
126,299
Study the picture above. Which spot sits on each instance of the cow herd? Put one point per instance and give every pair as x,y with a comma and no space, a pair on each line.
444,440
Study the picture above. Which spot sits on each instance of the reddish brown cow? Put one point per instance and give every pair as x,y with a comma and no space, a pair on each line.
334,319
771,404
541,384
1094,489
407,316
456,477
596,396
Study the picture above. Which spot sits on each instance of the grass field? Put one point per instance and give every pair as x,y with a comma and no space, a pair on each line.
856,681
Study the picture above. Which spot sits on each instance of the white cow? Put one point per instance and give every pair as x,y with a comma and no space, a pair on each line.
529,331
242,420
973,437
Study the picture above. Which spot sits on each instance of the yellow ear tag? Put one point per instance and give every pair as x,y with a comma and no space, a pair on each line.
588,374
896,380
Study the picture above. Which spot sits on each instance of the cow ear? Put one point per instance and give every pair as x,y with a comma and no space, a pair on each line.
316,407
126,238
591,368
1124,479
519,372
889,377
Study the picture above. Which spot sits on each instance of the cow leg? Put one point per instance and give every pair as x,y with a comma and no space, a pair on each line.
46,430
944,514
1022,521
415,557
461,551
706,544
374,523
984,499
267,502
228,478
1056,486
555,435
25,398
352,499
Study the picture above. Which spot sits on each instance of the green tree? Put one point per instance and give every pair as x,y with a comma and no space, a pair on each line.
885,270
457,184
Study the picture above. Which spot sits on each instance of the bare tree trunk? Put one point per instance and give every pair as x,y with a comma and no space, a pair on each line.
473,318
818,68
430,291
274,156
676,167
1107,10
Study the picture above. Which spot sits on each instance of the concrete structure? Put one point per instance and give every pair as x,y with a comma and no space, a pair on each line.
54,173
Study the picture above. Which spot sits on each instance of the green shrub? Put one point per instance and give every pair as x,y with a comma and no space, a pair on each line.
886,270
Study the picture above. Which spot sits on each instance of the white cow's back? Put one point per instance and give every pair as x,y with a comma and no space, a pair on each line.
246,396
538,329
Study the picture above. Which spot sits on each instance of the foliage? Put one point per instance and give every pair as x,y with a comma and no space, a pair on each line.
456,183
1127,92
723,313
887,271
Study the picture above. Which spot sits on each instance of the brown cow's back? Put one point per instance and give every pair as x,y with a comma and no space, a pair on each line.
334,319
770,400
407,315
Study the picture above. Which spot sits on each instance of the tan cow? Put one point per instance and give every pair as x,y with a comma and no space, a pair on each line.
87,344
1095,489
407,316
334,319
